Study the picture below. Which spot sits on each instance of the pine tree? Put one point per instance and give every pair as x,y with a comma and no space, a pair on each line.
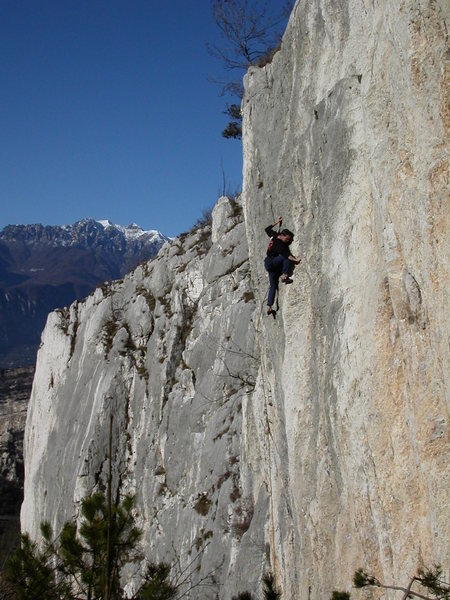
269,591
431,581
86,562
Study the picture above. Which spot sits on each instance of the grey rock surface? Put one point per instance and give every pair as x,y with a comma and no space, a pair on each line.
346,136
169,352
313,443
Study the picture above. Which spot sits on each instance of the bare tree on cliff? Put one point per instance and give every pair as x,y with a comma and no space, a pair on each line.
250,35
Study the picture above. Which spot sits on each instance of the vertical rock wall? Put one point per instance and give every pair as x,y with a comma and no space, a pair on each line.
346,137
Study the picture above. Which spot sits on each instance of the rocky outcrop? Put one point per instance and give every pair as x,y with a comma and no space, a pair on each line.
170,353
316,442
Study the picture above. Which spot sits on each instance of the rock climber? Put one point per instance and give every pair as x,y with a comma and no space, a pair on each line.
279,262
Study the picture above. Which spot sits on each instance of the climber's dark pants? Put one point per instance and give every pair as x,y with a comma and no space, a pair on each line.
276,266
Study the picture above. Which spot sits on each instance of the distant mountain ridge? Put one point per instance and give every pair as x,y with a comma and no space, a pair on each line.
80,232
43,267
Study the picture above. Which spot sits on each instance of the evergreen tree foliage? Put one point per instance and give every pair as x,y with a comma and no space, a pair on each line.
269,591
233,130
430,580
362,579
86,562
32,573
234,127
157,586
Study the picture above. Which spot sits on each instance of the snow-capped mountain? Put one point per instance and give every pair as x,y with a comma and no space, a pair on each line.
46,267
133,231
86,231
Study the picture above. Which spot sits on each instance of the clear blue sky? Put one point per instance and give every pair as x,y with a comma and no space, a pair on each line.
106,112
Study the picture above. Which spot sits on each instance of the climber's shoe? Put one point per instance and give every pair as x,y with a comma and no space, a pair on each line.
272,312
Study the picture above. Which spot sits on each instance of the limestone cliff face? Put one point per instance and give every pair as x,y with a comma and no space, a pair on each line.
316,442
345,136
169,352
